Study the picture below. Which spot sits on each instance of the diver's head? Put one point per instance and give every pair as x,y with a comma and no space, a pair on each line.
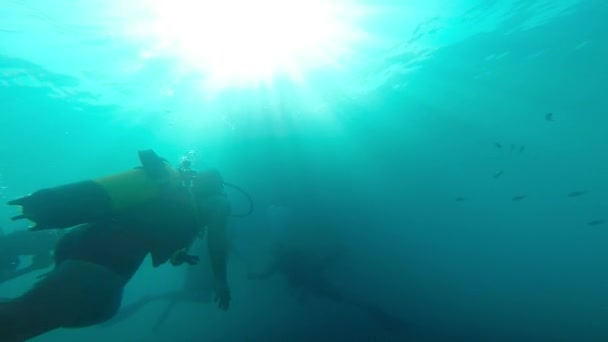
185,164
208,183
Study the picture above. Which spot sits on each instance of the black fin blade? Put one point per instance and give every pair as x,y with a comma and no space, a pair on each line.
18,217
18,201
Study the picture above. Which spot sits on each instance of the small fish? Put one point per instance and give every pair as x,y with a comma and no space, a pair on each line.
460,199
596,222
513,147
498,145
522,148
549,116
576,193
519,197
498,174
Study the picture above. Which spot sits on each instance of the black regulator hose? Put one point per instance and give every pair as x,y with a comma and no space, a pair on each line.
247,196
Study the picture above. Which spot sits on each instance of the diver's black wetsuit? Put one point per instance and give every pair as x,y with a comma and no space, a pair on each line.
120,244
94,261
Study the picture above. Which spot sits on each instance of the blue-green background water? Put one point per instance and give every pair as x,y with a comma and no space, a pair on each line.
379,152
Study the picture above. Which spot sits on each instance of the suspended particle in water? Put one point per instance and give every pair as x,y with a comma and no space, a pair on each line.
576,193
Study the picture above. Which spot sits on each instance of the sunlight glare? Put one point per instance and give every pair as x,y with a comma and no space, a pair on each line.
244,41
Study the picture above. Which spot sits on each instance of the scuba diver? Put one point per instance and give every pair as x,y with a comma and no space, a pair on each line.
119,220
303,254
19,243
306,275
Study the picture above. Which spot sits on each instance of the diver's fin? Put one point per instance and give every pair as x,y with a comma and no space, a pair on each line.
18,217
151,162
18,201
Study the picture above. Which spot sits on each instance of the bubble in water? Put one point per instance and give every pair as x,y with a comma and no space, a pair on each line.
190,156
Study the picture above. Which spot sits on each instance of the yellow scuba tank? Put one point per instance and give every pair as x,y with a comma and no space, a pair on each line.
76,203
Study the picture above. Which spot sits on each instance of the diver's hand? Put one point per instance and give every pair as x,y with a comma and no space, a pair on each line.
222,295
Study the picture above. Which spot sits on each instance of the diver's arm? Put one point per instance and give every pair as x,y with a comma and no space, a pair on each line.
217,240
218,243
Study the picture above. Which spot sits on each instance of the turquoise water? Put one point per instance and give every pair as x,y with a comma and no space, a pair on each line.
425,145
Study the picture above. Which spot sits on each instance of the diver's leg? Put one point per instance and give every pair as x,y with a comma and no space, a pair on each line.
76,294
